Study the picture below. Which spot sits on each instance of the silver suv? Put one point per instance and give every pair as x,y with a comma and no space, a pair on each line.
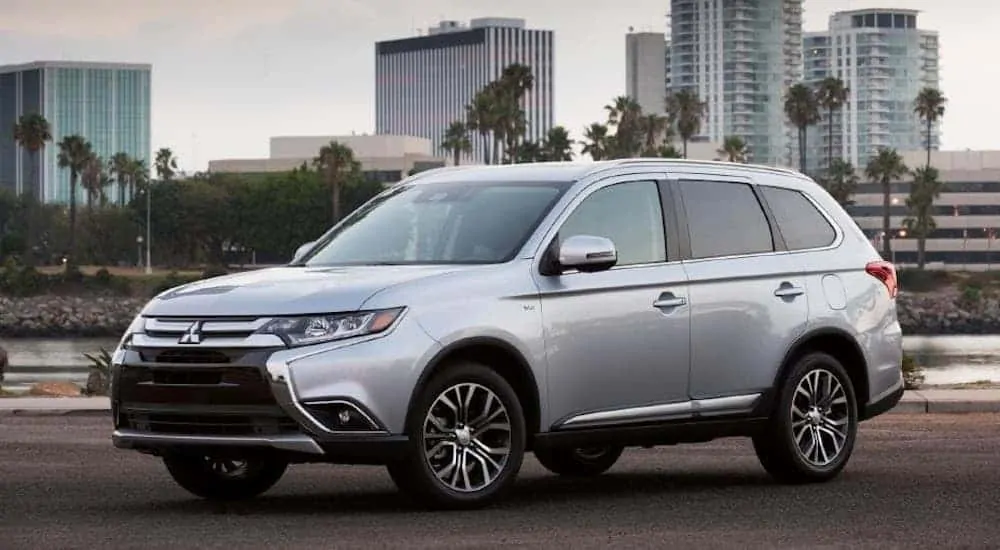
469,315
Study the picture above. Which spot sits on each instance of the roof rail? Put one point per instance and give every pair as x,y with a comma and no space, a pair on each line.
654,160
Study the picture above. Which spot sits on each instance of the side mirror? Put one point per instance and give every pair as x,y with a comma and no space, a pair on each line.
301,251
587,254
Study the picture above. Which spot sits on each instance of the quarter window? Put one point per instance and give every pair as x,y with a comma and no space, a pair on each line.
724,219
800,223
627,213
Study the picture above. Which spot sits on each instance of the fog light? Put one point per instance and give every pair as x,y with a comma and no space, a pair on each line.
340,417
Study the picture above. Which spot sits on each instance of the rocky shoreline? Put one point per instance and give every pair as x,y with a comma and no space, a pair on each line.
54,316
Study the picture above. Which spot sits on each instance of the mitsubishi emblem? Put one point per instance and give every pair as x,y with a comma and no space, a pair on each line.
192,335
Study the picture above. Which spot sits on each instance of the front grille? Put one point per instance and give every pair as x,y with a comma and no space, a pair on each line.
207,423
188,356
194,385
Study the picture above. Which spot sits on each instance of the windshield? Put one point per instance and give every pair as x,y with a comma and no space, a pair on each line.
440,223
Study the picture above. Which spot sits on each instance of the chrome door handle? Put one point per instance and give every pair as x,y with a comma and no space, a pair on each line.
669,302
788,291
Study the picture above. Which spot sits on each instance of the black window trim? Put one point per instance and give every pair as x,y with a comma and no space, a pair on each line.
680,213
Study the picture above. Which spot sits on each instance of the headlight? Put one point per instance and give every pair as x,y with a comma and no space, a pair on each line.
315,329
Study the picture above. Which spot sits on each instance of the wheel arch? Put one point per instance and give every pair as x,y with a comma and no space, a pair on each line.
837,343
499,355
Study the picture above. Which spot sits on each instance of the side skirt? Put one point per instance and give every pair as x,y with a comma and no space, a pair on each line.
653,434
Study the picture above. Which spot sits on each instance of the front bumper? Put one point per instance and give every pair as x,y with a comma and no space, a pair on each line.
231,396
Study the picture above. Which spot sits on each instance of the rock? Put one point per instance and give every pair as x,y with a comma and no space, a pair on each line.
55,389
55,316
97,383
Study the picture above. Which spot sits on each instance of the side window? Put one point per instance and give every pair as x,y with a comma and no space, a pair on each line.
801,224
627,213
724,219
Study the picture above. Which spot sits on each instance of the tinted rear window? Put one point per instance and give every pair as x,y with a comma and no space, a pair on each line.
725,219
800,223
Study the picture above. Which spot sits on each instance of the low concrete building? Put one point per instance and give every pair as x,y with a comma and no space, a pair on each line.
383,158
967,213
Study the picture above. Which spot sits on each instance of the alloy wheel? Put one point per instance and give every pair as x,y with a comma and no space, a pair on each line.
820,418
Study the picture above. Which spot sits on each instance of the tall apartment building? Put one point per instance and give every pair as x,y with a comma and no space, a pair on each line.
646,70
423,83
740,56
106,103
884,59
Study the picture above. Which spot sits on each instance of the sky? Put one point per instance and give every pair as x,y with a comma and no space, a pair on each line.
229,74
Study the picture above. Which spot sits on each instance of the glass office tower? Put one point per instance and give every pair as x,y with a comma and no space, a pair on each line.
106,103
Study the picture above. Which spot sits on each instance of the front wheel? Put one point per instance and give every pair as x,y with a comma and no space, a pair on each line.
810,435
467,439
580,462
224,479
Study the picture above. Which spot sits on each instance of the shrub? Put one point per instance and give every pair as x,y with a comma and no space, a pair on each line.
214,271
913,374
99,378
919,280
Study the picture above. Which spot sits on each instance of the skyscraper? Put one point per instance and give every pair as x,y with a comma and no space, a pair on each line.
884,60
423,83
106,103
740,56
646,70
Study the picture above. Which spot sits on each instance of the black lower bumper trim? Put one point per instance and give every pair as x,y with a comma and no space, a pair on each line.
883,405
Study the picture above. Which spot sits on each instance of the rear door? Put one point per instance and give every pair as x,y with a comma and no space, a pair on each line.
747,298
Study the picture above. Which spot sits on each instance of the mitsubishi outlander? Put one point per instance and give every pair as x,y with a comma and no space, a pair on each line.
470,315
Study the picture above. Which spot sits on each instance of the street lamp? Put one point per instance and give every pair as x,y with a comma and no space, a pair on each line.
149,263
138,249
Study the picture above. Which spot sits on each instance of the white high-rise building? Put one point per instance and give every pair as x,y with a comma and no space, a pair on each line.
423,83
646,70
884,60
740,56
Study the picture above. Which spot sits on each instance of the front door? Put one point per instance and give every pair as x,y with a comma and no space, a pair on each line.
617,340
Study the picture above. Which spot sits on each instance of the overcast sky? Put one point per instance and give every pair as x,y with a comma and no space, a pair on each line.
228,74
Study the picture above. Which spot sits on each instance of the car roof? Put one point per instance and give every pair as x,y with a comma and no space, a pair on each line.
569,171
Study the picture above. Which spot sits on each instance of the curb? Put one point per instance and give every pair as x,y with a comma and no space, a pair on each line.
55,412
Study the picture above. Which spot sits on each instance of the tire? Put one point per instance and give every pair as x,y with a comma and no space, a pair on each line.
487,480
579,462
204,477
776,446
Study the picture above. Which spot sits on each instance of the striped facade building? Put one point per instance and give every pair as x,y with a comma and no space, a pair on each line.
423,83
967,212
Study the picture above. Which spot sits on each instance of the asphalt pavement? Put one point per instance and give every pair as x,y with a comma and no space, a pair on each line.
915,481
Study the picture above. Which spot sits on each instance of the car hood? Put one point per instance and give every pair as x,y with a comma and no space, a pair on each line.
285,291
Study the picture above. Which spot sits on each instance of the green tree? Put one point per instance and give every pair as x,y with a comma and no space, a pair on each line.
93,179
74,154
508,94
165,163
884,168
596,144
802,110
625,117
482,116
687,110
925,189
930,106
841,181
118,168
831,95
337,164
32,132
456,140
734,149
558,146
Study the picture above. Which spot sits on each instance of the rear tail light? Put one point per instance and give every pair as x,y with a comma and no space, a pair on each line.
885,272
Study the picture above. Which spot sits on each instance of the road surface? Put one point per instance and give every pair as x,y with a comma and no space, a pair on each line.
914,481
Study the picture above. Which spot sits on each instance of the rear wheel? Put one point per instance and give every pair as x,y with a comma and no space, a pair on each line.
580,462
467,439
812,430
224,478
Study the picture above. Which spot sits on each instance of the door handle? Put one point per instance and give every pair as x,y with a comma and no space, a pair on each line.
787,291
668,300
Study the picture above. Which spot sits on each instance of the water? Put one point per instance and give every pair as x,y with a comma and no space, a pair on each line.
947,359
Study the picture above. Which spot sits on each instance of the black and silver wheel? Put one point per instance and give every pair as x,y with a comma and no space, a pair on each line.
580,462
811,433
224,478
467,437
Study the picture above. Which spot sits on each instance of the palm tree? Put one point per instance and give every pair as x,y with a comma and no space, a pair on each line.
75,154
885,167
841,181
802,110
118,167
655,128
687,109
831,95
337,164
481,116
165,163
625,116
557,146
508,94
734,149
597,141
930,106
32,132
456,140
926,187
93,179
